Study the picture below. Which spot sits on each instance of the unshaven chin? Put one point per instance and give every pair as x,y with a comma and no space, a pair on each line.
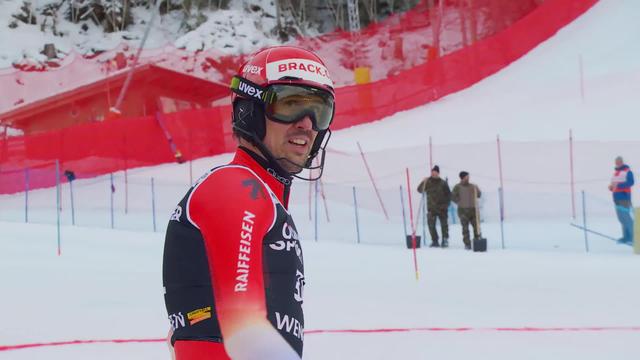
289,165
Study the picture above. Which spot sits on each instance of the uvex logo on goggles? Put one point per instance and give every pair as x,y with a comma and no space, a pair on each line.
246,88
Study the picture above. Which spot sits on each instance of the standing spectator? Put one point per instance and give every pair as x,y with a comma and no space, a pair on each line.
620,186
438,199
464,195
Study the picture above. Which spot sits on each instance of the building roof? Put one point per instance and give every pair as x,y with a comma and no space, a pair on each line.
189,87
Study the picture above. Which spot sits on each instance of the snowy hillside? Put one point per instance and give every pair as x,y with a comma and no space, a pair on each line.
539,96
232,31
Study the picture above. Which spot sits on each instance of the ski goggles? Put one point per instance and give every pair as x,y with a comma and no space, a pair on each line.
288,104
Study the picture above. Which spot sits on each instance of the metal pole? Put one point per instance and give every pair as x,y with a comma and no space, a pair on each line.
316,209
355,206
452,214
324,200
126,192
501,202
573,191
373,181
636,232
127,81
581,78
500,166
26,195
430,154
190,157
310,192
112,190
153,203
126,173
413,227
191,173
73,210
584,221
58,203
424,218
404,217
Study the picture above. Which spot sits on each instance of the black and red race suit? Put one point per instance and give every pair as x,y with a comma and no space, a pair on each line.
233,269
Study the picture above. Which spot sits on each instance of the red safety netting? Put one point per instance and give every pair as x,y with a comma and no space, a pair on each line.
100,148
387,47
456,71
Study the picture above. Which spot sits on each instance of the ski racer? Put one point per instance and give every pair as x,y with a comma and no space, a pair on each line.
233,269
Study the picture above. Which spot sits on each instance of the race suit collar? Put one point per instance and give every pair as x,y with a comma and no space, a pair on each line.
279,184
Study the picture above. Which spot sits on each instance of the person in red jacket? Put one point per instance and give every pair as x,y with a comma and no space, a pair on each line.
233,269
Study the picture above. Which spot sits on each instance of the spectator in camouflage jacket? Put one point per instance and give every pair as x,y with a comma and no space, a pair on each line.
464,195
438,200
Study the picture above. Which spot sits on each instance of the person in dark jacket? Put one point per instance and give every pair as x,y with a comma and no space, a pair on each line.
438,200
620,187
464,195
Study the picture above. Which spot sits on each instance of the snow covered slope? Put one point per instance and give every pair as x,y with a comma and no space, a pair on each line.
107,285
537,97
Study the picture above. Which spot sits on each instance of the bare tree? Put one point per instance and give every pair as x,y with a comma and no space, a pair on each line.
436,21
463,22
371,8
473,17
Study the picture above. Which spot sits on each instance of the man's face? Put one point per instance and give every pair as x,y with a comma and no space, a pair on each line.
435,174
465,179
290,141
619,162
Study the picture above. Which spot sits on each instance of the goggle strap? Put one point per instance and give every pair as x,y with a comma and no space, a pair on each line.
248,89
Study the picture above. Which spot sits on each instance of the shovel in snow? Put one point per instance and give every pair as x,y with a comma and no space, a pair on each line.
479,244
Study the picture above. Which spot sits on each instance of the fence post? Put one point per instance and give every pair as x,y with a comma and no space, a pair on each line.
126,191
452,214
404,217
584,221
572,178
316,209
153,203
500,166
190,172
190,157
58,203
73,210
355,206
26,195
581,77
413,227
501,204
430,154
113,190
324,199
364,159
424,217
636,236
310,192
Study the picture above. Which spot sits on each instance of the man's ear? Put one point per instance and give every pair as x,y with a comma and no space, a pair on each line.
249,117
